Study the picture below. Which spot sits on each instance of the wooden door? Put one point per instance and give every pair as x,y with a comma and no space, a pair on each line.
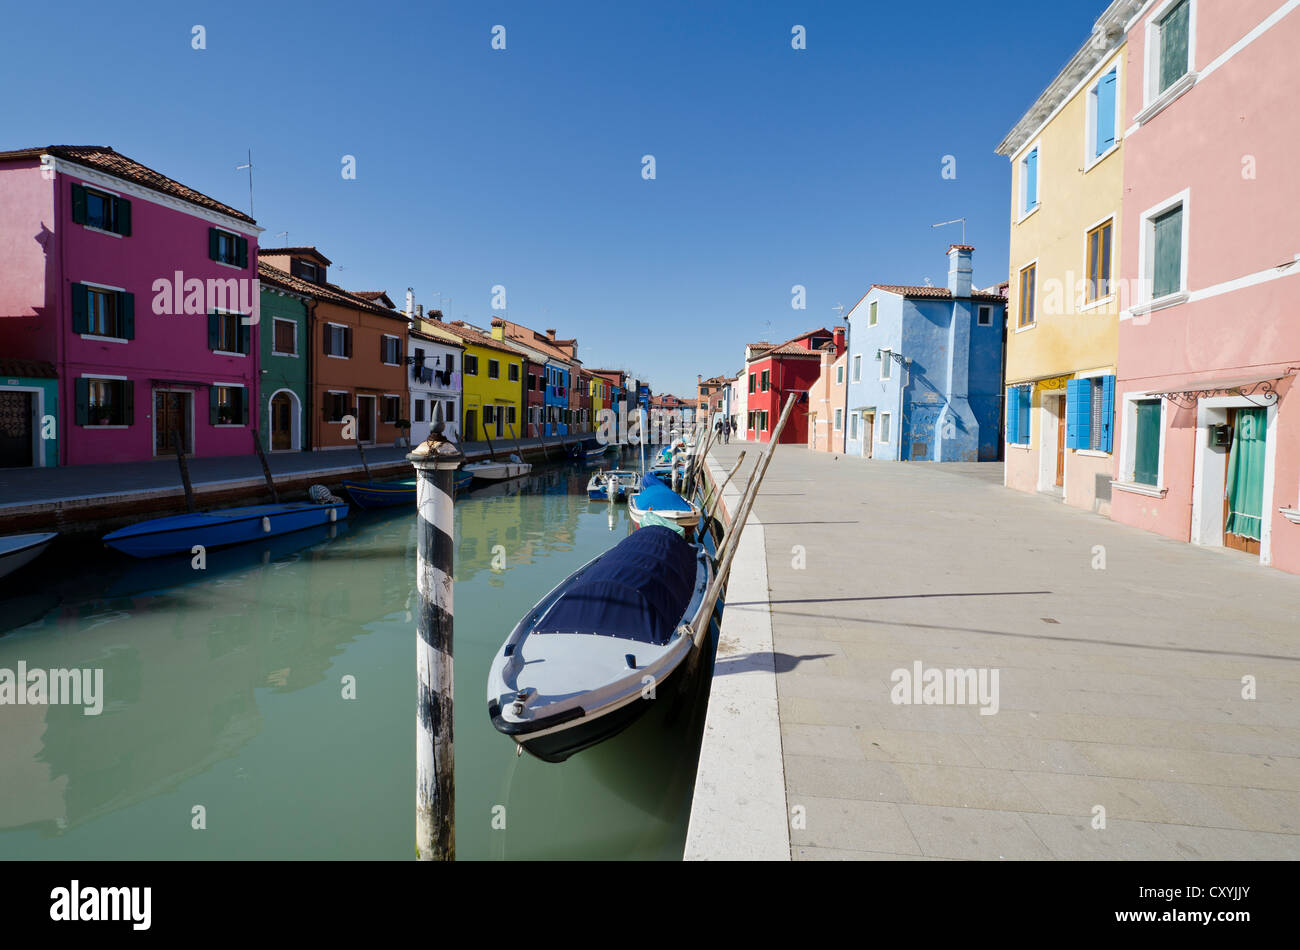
1244,422
16,429
171,414
868,433
366,419
471,425
1060,443
281,422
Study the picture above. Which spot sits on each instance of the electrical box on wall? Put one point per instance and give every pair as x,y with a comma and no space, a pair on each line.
1221,435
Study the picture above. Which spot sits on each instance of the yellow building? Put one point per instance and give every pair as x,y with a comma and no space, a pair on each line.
599,399
491,382
1064,298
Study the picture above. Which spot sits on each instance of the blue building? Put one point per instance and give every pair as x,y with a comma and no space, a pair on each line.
556,398
925,370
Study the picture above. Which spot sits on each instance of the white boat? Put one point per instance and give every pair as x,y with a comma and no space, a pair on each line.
491,470
656,503
19,549
628,483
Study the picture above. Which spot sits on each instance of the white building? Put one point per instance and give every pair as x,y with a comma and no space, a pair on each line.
739,402
435,370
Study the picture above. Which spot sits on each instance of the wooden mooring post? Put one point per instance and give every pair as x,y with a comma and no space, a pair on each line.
435,463
266,469
179,442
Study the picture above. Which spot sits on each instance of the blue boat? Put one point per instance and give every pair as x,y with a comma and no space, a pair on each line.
656,503
598,486
381,494
178,534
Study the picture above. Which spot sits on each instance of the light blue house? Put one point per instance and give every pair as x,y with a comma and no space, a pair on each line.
925,370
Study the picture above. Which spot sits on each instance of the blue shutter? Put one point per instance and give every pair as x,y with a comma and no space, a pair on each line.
1031,181
1013,414
1106,112
1026,394
1107,413
1076,398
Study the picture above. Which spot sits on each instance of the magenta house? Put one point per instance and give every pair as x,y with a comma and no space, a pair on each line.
1207,413
140,292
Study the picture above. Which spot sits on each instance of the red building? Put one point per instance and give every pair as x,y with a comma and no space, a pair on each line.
774,372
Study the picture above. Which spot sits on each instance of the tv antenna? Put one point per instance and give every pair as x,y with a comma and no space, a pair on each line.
285,235
249,166
961,221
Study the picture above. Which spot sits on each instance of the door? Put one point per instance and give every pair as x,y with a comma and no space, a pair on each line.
812,430
16,429
868,433
281,422
171,417
366,419
471,424
500,415
1060,443
1243,496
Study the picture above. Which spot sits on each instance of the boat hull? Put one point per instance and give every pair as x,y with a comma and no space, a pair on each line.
381,494
20,550
498,471
179,534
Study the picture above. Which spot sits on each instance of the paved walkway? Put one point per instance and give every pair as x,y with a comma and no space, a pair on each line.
1120,687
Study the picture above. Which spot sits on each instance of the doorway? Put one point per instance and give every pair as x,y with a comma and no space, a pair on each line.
17,429
471,424
1051,443
172,417
366,419
284,421
1243,493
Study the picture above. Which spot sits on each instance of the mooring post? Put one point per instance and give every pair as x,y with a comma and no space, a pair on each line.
185,469
435,462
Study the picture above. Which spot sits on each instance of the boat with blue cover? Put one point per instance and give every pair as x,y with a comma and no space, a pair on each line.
658,500
575,669
178,534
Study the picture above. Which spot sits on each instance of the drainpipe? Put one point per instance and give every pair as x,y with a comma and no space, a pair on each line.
309,410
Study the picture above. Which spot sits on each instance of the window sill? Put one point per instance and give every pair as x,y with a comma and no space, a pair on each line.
278,353
1160,303
335,357
1027,326
95,230
1092,453
1097,304
104,427
230,265
228,425
1151,491
1029,214
229,353
1166,99
103,339
1291,514
1018,445
1093,163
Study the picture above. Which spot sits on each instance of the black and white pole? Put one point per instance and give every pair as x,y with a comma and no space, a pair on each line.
435,462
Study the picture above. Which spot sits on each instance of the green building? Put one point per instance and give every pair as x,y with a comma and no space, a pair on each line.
29,412
282,329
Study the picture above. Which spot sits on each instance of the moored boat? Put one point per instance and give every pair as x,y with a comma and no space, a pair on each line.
656,500
381,494
598,485
17,550
575,669
178,534
490,470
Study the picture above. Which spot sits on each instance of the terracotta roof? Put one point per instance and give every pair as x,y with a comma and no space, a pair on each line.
32,369
934,293
300,251
421,335
328,292
790,347
370,294
104,159
470,335
525,336
961,247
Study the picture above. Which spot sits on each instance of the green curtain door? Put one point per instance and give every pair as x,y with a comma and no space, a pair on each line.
1245,486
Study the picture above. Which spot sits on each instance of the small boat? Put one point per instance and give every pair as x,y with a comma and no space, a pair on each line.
462,480
574,670
656,503
381,494
598,486
178,534
19,549
597,452
493,471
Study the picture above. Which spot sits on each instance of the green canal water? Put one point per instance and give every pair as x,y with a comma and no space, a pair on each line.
225,690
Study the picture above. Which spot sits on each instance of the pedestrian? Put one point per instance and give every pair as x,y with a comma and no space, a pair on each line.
733,426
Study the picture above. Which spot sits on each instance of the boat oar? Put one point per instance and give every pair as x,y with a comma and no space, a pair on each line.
266,469
738,525
185,469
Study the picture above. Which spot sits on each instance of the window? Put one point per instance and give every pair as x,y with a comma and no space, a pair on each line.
104,402
489,415
451,363
857,368
1028,280
1146,441
451,410
764,383
98,209
494,369
307,271
839,376
390,350
1029,182
1165,232
101,312
1089,413
510,415
471,365
839,419
1172,39
227,333
1099,262
514,372
285,339
853,423
1018,400
418,407
986,316
1102,113
98,311
338,340
227,405
882,430
886,364
749,419
762,420
871,314
336,406
752,377
227,248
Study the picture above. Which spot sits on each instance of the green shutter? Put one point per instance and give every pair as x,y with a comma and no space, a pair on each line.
1168,236
80,306
1147,441
245,337
82,396
347,342
241,251
243,404
126,315
214,245
214,331
128,403
78,203
123,216
212,405
1173,45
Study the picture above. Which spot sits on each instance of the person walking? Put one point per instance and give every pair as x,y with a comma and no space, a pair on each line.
733,429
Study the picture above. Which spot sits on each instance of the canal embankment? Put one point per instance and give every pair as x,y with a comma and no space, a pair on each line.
738,811
96,498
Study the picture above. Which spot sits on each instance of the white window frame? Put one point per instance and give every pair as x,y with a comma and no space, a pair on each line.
238,324
839,420
857,367
294,324
1090,157
1128,447
389,336
1020,270
337,392
1022,181
1113,218
839,375
873,313
985,309
342,326
95,336
121,379
886,364
1147,252
884,422
1154,102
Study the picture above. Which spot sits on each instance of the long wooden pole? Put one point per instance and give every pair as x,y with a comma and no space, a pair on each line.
266,469
362,450
185,469
742,515
717,498
435,463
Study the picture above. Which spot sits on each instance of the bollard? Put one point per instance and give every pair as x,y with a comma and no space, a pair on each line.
435,462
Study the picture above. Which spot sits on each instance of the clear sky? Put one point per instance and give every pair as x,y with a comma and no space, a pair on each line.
522,167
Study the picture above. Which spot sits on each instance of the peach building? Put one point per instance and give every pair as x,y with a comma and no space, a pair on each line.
826,401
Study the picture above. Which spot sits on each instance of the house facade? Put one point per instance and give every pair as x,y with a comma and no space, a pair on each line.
1207,417
491,382
925,370
827,400
739,388
776,372
1067,187
140,292
435,381
29,414
283,330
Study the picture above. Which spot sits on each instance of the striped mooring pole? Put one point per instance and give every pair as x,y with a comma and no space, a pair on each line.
435,462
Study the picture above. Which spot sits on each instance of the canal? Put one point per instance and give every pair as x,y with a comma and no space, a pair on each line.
271,698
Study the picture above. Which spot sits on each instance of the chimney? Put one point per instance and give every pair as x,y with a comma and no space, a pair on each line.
419,311
435,315
959,269
410,301
550,335
839,341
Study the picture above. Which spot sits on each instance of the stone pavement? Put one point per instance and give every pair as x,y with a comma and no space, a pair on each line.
1119,686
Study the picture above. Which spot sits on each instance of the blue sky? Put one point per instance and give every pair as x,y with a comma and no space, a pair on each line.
522,167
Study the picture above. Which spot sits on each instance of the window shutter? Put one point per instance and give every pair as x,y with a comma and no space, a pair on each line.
327,331
383,348
347,342
1107,413
126,311
1106,112
82,391
214,331
241,251
1026,400
128,403
214,245
80,305
212,405
1013,414
1031,180
1073,398
123,217
1173,46
243,403
78,204
245,337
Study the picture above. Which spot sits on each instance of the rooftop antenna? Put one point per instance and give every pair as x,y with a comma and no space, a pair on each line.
962,221
285,235
249,166
839,309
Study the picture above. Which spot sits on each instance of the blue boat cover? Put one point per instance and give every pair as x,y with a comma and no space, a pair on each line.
656,495
638,590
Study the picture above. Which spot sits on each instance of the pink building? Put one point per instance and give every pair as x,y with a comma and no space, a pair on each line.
1207,418
141,292
828,397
